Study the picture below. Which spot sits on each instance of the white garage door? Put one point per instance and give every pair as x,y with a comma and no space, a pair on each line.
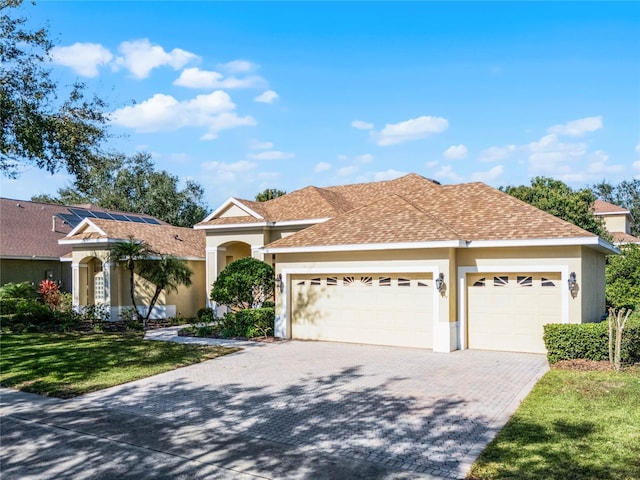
507,311
379,309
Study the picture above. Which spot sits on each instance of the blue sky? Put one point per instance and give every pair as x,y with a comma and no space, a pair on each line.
242,96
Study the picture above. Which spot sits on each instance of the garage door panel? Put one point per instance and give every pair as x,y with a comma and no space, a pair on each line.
364,308
508,311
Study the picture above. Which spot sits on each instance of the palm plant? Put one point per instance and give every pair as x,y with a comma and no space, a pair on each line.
129,252
167,273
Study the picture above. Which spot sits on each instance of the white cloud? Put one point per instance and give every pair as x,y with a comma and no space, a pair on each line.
431,164
228,172
140,57
271,155
456,152
83,58
409,130
380,176
214,111
322,167
195,78
577,128
495,154
346,171
488,176
548,153
360,125
446,172
238,66
256,145
365,158
343,157
267,97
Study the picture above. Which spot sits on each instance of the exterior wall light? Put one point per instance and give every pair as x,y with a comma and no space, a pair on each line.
279,282
440,283
573,284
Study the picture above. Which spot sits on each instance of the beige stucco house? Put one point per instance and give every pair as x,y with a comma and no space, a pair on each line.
97,281
617,221
410,262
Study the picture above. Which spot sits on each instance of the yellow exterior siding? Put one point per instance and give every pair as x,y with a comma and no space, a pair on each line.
592,280
617,223
233,211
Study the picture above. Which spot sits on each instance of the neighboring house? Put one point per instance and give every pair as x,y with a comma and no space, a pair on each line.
96,281
617,220
410,262
29,234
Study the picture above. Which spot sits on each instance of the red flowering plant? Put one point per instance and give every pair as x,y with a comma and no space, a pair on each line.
50,293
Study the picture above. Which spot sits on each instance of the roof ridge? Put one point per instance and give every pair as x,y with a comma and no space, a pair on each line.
438,220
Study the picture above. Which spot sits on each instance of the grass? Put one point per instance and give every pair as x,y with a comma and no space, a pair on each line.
67,365
574,425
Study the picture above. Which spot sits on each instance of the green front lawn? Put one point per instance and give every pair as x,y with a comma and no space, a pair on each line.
67,365
574,425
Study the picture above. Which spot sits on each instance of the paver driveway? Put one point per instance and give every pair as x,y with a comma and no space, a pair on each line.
406,410
406,407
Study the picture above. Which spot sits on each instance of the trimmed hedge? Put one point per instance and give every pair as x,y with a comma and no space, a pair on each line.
590,341
251,322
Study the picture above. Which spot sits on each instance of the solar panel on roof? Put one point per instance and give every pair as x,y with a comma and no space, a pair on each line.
152,221
82,213
133,218
119,216
103,215
72,220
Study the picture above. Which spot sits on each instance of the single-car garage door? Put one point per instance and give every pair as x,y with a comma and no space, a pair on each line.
379,309
507,311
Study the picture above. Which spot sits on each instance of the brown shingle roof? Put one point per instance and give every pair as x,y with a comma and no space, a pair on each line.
622,237
27,228
328,202
165,239
601,207
464,212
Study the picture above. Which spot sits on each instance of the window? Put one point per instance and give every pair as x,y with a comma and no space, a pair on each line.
500,281
480,282
404,282
348,281
525,281
422,283
547,283
332,281
367,281
301,283
315,281
384,281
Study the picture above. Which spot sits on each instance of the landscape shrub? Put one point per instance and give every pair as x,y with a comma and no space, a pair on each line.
206,315
243,284
590,341
252,322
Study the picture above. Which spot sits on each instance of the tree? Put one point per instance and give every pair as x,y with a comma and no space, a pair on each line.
623,278
167,273
245,283
626,194
269,194
132,184
557,198
38,126
129,253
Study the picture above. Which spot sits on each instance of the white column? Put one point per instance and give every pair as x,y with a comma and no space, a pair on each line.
106,270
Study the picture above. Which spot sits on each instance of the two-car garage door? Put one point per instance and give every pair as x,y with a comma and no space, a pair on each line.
379,309
507,311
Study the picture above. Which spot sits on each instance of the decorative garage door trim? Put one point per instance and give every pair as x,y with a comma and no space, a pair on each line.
462,289
283,321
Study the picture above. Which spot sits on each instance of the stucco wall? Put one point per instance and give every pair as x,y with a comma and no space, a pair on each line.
17,271
592,280
188,300
617,223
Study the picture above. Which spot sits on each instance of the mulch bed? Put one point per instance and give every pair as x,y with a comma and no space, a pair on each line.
583,365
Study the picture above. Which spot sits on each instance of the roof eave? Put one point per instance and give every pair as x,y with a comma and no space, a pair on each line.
594,242
365,247
283,223
232,201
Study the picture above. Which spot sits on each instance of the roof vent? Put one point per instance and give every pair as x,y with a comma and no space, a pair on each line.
177,237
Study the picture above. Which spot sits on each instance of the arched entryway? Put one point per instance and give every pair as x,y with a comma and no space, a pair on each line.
93,282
